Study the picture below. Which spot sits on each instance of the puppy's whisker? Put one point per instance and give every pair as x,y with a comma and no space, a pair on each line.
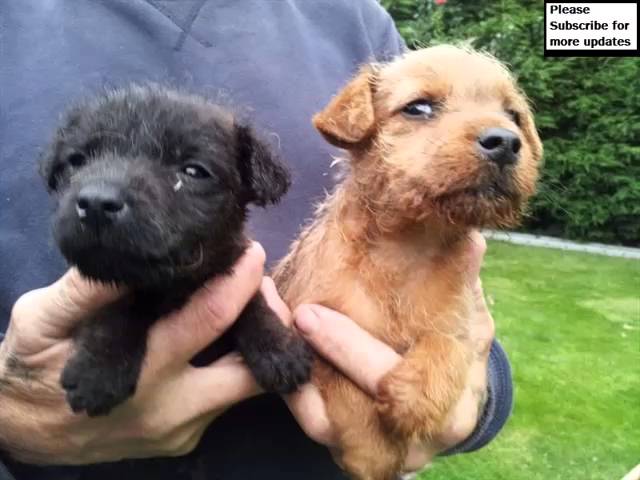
549,197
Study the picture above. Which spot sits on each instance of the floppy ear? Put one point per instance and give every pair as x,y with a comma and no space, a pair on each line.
264,177
349,118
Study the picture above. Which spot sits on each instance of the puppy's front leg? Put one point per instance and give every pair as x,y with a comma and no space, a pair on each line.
278,357
415,397
104,369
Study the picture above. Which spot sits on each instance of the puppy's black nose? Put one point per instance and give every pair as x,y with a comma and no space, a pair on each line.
100,203
500,145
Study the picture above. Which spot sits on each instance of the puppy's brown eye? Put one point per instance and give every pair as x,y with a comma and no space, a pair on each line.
76,160
419,109
195,171
515,116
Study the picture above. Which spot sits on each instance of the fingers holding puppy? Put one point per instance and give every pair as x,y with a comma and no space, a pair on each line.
358,355
211,310
351,349
175,339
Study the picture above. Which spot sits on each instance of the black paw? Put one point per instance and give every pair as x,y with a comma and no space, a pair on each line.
282,366
96,385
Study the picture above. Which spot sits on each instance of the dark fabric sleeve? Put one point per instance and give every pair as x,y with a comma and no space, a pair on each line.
4,473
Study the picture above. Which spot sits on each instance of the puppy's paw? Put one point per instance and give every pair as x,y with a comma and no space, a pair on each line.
405,405
377,458
282,364
96,385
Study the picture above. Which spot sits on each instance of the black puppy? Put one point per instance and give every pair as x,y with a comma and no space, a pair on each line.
151,189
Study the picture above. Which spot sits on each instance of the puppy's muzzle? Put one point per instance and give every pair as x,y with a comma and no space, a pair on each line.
500,146
101,204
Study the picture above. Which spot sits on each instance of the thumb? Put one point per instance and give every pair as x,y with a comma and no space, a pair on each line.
66,302
355,352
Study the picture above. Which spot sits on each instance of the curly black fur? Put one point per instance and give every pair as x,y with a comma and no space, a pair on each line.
181,227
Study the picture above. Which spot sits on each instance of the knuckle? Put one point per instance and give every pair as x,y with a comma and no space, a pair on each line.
319,429
323,333
182,447
479,243
77,293
419,455
25,307
253,263
410,475
491,331
461,422
458,431
71,295
486,332
268,284
182,443
153,430
218,315
72,291
302,310
298,316
482,245
257,255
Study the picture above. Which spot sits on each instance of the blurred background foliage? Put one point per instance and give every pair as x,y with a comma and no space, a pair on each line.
587,111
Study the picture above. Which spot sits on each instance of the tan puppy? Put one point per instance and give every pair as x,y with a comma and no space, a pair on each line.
440,141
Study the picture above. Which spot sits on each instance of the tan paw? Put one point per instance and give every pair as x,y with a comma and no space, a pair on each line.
407,406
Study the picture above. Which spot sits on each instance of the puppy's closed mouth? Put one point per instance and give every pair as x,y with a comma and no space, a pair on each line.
489,205
129,267
491,191
494,190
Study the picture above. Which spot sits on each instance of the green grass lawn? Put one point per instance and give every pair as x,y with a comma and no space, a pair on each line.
571,324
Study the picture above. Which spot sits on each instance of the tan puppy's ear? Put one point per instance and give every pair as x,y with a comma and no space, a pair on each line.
349,118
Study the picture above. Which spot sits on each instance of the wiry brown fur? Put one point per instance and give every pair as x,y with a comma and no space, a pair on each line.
387,248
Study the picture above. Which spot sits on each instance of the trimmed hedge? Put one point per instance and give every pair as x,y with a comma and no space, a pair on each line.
587,111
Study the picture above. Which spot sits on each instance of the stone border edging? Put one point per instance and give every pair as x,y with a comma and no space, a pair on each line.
558,243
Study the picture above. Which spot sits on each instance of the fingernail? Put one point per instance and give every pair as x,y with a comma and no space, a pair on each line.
306,320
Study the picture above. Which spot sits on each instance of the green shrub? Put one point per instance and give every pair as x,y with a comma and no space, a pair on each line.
587,111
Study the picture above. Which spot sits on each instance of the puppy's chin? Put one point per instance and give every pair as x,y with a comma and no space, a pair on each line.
480,208
98,260
490,198
118,267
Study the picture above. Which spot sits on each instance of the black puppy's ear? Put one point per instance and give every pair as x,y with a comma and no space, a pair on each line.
264,177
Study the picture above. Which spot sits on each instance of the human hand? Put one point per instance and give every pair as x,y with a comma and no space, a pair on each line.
366,360
174,401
